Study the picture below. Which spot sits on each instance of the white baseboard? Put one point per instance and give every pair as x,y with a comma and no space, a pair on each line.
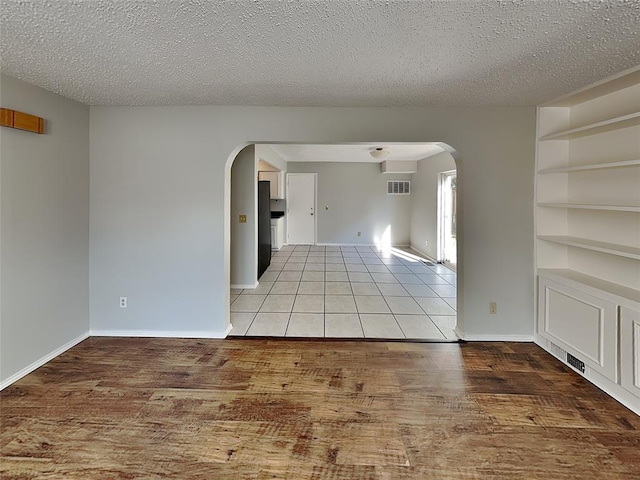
245,287
428,257
227,331
160,333
609,387
41,361
493,338
345,245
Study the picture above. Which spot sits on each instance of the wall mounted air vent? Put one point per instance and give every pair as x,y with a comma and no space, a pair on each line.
398,187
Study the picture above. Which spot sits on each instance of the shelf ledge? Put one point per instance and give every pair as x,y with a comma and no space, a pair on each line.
623,121
603,247
593,166
621,291
586,206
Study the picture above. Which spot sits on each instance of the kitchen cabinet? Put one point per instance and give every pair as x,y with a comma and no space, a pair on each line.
277,233
276,180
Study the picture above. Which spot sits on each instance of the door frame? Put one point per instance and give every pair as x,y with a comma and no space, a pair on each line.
315,206
440,219
459,161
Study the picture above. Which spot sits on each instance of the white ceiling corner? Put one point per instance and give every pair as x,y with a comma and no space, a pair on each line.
317,52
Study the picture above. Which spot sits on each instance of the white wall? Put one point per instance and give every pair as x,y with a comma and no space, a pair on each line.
424,202
44,229
356,194
244,236
267,154
160,200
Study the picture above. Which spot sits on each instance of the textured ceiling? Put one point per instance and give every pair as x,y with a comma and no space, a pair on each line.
354,153
317,53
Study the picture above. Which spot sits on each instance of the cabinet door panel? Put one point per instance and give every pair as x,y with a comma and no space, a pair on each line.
274,178
584,325
630,350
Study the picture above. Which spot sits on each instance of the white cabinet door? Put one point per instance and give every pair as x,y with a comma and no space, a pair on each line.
275,181
582,324
274,237
630,350
280,232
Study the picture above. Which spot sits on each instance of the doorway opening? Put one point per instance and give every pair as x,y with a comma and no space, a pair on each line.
447,219
301,210
364,271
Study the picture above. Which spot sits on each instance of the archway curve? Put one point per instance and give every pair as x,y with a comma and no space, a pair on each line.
459,215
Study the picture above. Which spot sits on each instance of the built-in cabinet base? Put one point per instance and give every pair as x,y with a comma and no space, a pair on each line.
597,327
277,233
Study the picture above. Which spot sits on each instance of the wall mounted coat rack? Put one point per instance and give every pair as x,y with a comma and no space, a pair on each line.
21,121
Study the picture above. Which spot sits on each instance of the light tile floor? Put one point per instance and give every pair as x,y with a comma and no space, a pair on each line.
352,292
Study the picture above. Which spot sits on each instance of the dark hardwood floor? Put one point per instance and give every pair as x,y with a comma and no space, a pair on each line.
120,408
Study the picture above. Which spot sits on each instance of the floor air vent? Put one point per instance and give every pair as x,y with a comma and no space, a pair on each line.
575,363
429,264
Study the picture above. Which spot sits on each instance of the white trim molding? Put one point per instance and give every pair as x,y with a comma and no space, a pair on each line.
161,333
41,361
428,257
617,392
245,287
492,338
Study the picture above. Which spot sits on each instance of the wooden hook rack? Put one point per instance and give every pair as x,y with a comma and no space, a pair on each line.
21,121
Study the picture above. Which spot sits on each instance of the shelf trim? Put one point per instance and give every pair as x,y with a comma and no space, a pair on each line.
602,247
621,291
592,166
615,123
624,79
587,206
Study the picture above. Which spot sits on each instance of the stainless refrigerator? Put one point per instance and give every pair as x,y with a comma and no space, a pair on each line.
264,227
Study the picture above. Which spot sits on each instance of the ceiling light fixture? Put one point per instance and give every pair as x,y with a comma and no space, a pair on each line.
378,152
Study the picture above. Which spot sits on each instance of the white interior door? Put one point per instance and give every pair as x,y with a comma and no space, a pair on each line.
301,208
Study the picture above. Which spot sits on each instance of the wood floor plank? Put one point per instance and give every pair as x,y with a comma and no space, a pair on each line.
140,408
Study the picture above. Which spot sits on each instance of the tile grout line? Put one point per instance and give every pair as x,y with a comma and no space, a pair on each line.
364,335
436,325
324,297
362,259
252,320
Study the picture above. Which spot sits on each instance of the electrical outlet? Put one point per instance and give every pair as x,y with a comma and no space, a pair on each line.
493,308
426,242
123,302
359,234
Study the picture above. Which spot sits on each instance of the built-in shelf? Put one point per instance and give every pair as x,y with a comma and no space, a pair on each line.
593,166
584,315
582,279
623,121
586,206
603,247
609,85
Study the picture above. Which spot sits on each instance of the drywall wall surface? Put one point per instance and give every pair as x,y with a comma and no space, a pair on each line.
352,198
265,153
244,236
44,228
160,196
424,202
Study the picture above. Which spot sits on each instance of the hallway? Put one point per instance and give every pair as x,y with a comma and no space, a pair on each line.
348,292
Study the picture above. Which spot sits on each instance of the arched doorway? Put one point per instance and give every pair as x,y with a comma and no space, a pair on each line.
324,247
